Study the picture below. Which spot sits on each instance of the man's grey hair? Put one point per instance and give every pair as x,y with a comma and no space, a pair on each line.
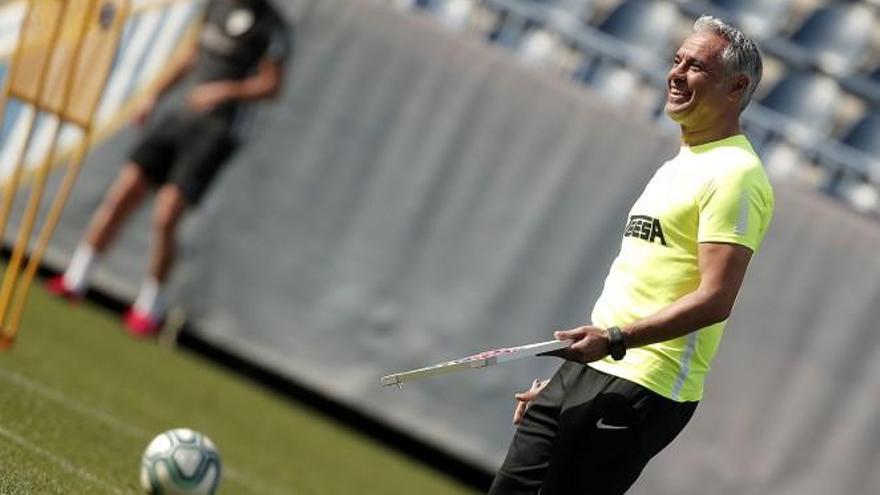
741,56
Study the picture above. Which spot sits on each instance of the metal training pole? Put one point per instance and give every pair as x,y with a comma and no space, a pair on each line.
48,229
89,92
95,31
28,72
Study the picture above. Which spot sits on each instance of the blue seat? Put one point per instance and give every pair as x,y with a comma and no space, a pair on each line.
631,52
865,85
865,135
806,98
646,25
512,24
575,7
835,38
874,78
757,17
564,15
518,20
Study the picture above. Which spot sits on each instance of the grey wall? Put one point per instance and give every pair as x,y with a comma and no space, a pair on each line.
417,196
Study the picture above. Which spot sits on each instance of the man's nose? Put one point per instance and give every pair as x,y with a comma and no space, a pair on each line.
676,73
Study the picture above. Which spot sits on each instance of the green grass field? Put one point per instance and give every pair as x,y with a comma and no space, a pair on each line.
80,401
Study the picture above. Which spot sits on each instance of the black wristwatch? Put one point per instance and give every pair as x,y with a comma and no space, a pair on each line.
616,346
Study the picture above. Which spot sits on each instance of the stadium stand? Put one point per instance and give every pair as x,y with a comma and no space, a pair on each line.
822,69
648,29
865,85
801,108
759,17
807,99
834,39
854,165
865,135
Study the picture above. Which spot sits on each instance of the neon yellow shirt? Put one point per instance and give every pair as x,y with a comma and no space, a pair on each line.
715,192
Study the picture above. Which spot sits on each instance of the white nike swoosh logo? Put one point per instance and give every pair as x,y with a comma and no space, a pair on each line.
602,425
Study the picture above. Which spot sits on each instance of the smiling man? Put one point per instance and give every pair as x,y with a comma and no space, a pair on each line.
634,375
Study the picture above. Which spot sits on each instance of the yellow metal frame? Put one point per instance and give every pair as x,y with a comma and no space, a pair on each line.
127,111
60,102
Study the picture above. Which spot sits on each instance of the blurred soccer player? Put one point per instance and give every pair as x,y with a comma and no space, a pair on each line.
239,57
593,427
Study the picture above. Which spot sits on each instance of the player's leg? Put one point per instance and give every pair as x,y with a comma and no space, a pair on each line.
121,200
124,196
148,166
662,428
200,161
171,205
609,429
528,456
208,146
146,314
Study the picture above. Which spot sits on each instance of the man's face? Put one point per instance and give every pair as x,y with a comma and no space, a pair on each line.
698,89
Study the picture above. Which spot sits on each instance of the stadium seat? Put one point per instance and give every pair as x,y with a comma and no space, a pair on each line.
424,4
510,26
636,46
805,98
541,41
835,39
859,192
518,18
541,47
646,25
456,14
865,135
571,13
792,120
853,163
866,86
575,7
759,18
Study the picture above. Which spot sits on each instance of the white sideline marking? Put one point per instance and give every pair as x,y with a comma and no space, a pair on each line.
60,461
113,422
58,397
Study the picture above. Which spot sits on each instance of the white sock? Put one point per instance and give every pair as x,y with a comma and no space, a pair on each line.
76,277
150,300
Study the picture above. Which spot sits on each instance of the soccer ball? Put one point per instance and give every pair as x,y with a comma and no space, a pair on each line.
180,462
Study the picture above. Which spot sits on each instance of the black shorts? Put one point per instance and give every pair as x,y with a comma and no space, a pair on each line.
588,433
185,149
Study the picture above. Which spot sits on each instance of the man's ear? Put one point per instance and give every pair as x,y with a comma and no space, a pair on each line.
738,85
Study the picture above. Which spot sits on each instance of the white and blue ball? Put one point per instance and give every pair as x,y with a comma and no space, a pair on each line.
180,462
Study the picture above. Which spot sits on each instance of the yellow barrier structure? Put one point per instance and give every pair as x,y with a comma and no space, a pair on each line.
60,68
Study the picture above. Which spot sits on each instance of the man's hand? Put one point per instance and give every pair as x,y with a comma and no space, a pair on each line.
590,344
208,96
145,110
523,399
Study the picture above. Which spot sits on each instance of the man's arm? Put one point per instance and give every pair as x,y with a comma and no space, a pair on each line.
265,83
722,269
182,66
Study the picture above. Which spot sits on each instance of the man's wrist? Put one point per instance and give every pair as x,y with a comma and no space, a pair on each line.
616,344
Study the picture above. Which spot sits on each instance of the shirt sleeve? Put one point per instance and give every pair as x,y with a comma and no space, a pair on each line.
736,207
281,41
